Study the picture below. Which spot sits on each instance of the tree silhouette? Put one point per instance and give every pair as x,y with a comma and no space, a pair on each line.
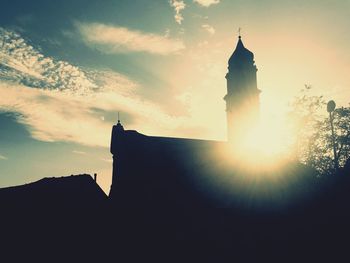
311,125
342,126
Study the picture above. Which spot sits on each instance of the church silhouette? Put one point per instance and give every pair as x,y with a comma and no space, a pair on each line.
158,167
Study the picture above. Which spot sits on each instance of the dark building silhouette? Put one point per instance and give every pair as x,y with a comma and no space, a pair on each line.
242,98
80,190
181,200
52,219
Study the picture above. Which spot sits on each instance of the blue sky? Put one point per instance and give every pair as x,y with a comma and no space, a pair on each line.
68,67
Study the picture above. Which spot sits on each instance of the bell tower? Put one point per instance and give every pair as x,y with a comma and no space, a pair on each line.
242,98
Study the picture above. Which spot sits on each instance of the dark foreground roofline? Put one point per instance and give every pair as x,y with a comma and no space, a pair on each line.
55,180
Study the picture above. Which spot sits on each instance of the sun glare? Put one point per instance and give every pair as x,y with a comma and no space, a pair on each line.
267,137
265,145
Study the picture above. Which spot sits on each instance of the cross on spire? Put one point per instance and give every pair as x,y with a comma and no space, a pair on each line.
239,32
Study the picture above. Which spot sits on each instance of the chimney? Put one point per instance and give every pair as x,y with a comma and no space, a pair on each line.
95,177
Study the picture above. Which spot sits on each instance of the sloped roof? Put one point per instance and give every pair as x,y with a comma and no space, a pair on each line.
241,53
73,190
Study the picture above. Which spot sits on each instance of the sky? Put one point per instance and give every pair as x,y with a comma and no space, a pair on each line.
68,67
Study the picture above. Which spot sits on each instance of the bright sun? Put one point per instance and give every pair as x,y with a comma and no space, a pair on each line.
264,145
268,137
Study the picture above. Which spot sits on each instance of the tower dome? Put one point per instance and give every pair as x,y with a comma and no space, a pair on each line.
241,55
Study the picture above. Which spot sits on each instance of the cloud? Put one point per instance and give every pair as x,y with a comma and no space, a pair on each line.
58,101
209,29
2,157
23,64
206,3
79,152
62,116
115,39
109,160
53,116
178,6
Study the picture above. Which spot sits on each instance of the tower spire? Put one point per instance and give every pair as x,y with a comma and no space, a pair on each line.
119,126
242,98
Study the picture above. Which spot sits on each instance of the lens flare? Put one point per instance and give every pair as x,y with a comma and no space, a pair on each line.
258,169
263,146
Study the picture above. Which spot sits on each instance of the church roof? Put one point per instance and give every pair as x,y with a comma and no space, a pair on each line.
241,53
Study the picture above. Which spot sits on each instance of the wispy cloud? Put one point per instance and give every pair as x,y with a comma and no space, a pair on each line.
109,160
2,157
209,29
79,152
23,64
178,6
116,39
58,101
206,3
